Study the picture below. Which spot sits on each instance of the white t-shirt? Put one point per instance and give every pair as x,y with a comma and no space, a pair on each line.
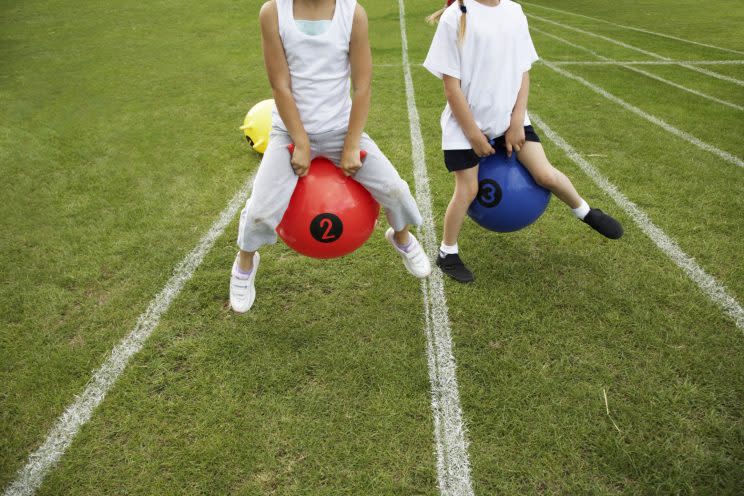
496,52
319,68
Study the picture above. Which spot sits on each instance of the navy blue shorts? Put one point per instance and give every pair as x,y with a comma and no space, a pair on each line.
456,160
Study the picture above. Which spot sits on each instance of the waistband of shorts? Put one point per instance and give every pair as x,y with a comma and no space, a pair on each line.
313,136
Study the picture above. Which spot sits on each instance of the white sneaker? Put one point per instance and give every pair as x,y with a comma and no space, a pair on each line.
414,259
243,291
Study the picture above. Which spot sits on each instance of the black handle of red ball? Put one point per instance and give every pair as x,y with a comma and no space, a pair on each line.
291,147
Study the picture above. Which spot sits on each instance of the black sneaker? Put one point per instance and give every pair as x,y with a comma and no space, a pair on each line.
452,266
604,224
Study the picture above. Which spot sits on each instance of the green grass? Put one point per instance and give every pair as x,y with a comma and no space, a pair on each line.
118,148
717,23
117,152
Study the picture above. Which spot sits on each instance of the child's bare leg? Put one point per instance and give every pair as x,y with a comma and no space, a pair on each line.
245,260
466,189
401,237
533,158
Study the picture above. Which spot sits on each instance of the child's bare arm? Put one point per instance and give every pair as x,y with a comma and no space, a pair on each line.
515,134
461,111
281,86
360,57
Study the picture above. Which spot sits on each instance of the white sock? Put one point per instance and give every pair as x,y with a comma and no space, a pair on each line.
445,250
241,274
581,211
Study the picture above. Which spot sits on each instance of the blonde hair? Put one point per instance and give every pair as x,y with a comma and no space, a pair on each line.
434,18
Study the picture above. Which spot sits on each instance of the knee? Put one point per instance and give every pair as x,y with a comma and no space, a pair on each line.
397,191
254,218
466,192
547,178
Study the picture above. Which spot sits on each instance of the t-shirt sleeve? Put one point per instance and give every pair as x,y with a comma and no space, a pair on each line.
527,53
444,52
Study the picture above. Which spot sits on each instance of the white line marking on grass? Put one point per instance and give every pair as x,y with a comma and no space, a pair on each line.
453,465
639,71
716,291
647,62
641,50
730,50
713,74
41,461
574,45
651,118
601,37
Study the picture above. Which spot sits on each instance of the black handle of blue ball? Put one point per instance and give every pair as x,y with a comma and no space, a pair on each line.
291,147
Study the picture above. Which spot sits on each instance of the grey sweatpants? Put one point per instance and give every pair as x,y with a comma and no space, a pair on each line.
275,181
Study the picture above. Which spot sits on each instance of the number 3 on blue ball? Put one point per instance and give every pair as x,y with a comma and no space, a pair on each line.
489,193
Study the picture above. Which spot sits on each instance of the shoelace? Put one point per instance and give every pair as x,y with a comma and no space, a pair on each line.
240,283
455,262
416,253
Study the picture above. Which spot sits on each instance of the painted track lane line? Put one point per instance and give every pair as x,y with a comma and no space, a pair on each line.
453,465
716,291
41,461
651,118
633,28
639,71
640,50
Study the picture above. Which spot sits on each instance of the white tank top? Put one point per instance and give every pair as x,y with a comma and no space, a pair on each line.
319,68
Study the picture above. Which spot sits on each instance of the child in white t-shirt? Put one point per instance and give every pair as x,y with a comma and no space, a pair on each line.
482,50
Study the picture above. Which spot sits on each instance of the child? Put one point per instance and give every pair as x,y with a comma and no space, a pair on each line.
311,50
482,50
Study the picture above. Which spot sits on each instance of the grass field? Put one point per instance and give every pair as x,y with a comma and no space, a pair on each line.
584,366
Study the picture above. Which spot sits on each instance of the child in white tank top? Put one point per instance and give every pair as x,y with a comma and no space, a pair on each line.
482,50
312,67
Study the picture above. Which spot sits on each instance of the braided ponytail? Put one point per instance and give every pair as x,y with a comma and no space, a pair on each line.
461,29
434,18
